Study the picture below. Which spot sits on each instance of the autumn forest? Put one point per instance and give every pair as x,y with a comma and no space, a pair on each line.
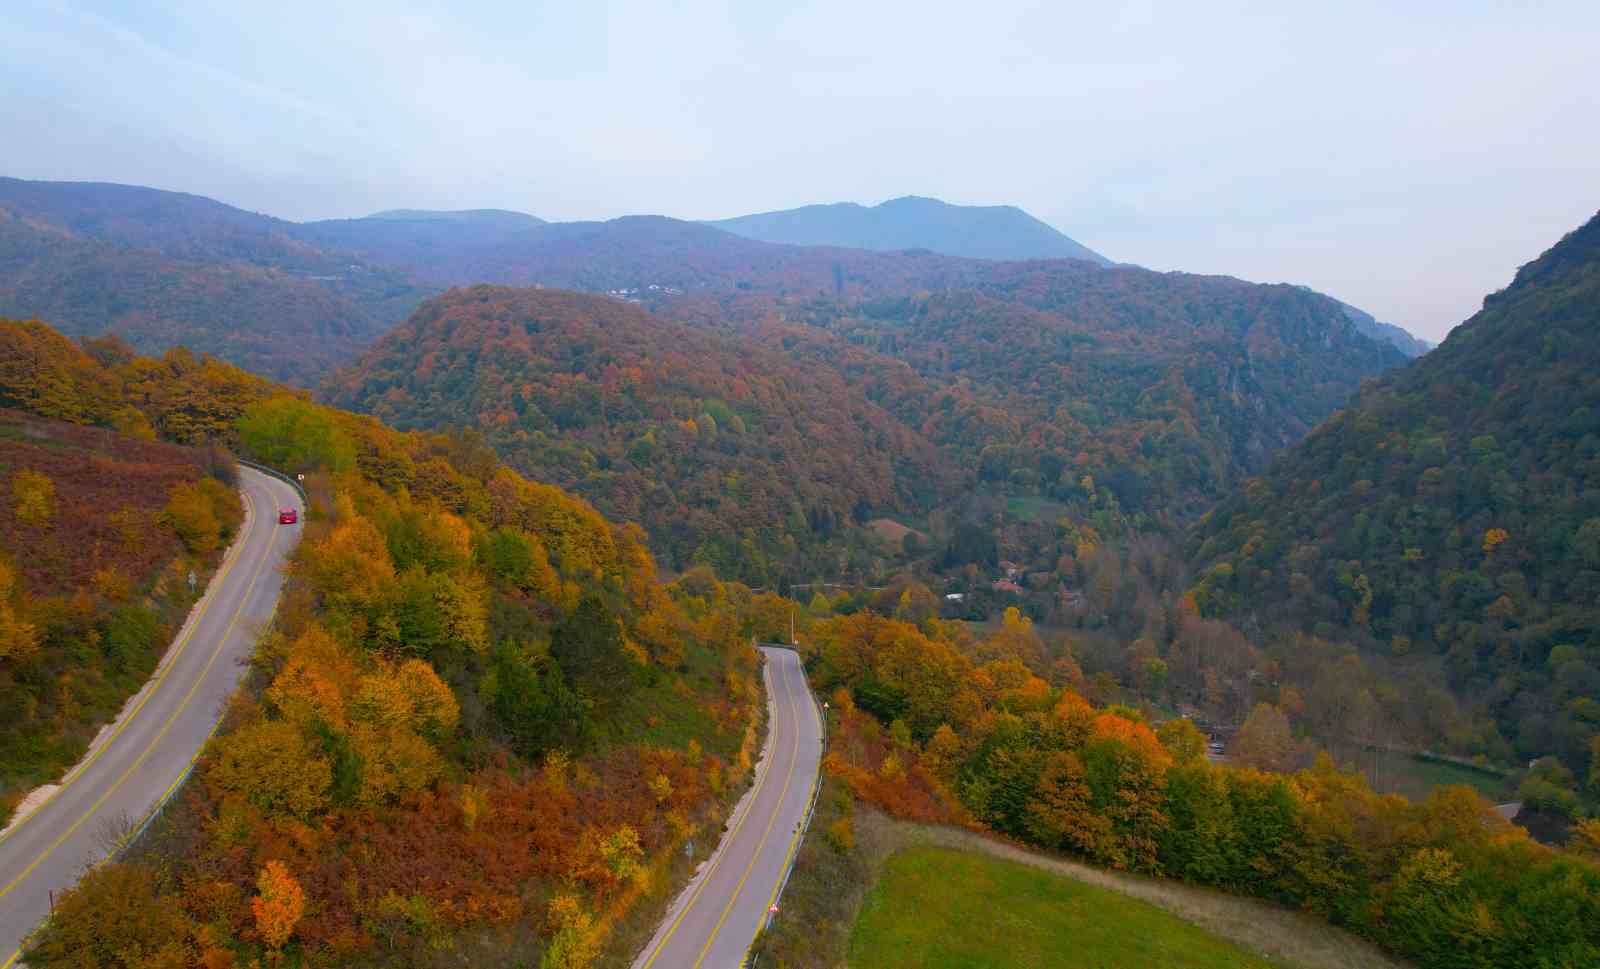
1171,574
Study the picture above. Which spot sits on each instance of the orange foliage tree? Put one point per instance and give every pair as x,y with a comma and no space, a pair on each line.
278,907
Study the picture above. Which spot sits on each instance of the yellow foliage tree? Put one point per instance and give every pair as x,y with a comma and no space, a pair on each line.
351,566
1586,839
474,806
270,764
303,693
115,918
408,696
394,762
622,852
320,651
192,515
572,944
463,602
18,638
1015,639
34,495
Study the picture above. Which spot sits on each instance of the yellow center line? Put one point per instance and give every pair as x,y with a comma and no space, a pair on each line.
748,868
794,842
166,726
166,667
716,861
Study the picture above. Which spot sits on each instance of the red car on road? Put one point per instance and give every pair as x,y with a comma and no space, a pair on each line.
288,516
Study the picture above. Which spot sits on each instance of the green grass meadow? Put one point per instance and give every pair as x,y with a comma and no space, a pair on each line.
935,908
1417,777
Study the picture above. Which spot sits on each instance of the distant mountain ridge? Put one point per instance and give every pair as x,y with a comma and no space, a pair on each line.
914,222
166,268
297,300
492,216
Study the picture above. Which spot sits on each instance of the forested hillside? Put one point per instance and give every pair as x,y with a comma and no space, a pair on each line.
730,455
752,433
479,720
295,300
1452,512
98,532
163,269
933,724
1056,379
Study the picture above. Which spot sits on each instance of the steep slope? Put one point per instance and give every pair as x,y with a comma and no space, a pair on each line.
164,268
1403,340
477,716
1453,509
974,231
729,454
109,522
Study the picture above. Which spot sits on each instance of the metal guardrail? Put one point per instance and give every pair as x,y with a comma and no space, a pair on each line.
274,472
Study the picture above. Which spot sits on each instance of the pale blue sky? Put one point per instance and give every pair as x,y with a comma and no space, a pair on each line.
1405,157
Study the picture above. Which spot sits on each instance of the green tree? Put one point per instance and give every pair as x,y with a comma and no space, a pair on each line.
533,704
1183,740
293,434
588,646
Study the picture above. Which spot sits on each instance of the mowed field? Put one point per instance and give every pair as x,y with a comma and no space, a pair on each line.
938,908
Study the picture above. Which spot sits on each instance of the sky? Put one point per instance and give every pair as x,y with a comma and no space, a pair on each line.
1405,157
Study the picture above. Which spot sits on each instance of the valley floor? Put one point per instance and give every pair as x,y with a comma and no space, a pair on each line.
827,912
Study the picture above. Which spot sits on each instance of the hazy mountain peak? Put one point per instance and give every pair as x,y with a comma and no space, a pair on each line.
1002,232
505,216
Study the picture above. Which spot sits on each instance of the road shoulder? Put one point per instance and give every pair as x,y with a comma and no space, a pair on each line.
36,799
703,871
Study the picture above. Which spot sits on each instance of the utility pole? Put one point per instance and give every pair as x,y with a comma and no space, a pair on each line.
792,641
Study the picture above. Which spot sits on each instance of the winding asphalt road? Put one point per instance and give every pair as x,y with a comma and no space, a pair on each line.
718,915
150,751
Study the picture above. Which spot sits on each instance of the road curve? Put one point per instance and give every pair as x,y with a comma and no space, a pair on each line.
152,748
714,920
